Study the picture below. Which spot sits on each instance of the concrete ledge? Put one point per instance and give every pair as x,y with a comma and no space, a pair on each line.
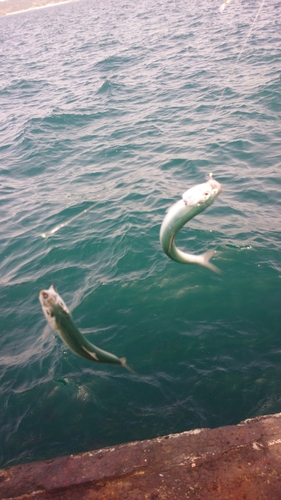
240,462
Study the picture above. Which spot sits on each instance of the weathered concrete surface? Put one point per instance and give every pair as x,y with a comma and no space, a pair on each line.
240,462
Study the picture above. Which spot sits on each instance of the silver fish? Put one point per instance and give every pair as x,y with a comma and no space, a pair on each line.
193,201
59,318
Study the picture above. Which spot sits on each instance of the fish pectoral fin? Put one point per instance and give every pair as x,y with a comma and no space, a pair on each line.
46,331
92,354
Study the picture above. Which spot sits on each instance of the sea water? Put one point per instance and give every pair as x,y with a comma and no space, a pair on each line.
112,110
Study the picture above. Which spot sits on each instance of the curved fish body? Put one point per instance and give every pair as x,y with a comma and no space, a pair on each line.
193,201
59,318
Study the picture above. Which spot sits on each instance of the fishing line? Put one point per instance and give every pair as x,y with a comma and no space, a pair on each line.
236,62
63,224
109,186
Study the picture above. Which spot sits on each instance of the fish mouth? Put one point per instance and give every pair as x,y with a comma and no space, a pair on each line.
50,299
216,186
44,295
45,298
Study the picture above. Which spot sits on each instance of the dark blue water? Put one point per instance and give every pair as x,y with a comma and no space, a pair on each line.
120,107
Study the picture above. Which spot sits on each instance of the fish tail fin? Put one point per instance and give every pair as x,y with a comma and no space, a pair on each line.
205,261
124,363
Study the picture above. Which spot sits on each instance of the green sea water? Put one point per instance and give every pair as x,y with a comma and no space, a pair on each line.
110,111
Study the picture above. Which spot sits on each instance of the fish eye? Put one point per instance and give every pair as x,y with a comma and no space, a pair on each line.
45,295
